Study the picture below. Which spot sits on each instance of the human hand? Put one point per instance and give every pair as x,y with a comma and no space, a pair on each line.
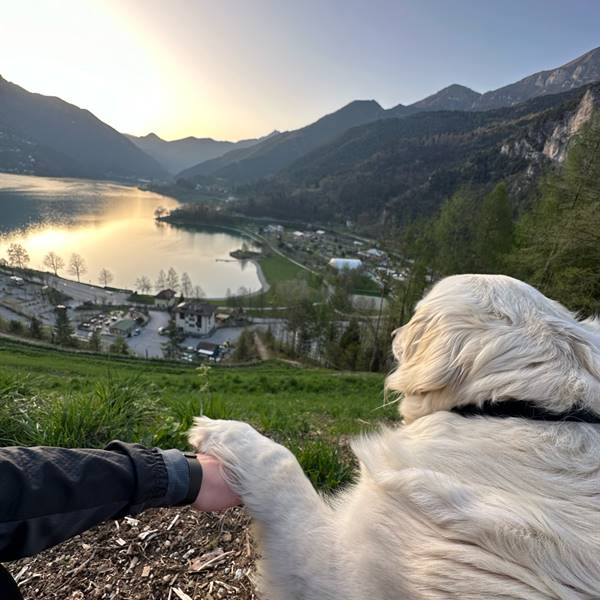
215,493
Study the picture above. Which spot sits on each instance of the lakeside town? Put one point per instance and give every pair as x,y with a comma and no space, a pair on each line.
171,318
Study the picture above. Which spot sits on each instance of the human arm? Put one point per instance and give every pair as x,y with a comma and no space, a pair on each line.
48,495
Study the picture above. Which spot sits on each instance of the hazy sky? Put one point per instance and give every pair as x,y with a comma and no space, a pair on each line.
231,69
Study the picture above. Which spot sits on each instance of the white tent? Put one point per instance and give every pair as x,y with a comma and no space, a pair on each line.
345,263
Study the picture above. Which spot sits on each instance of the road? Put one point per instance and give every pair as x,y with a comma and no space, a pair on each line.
149,342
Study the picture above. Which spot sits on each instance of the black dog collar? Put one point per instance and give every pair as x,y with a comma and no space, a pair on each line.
525,409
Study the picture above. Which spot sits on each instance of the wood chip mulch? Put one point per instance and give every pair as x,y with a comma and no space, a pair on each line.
174,554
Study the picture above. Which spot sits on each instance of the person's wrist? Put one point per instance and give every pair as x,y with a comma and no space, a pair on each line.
215,493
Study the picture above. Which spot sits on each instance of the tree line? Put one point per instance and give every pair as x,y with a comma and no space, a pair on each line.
18,257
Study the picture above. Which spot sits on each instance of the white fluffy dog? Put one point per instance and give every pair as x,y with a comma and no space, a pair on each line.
446,506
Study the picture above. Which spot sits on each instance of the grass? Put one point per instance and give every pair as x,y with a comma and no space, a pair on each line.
276,268
56,397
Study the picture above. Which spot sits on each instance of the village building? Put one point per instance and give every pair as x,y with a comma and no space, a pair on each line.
208,350
342,264
374,253
195,318
165,298
274,229
125,327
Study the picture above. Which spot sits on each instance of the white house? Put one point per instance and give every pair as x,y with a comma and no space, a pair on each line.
342,264
165,298
195,318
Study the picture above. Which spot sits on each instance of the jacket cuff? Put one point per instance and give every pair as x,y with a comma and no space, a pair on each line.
178,473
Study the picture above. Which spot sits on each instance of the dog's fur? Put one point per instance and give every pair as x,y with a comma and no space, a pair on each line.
446,506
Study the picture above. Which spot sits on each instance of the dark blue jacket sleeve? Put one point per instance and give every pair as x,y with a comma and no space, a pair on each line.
48,495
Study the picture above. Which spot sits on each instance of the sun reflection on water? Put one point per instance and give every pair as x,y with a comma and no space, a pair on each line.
112,226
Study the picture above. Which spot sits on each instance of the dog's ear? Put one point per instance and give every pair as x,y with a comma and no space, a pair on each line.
434,357
431,355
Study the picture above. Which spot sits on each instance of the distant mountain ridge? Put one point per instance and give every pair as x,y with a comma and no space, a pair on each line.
177,155
268,158
576,73
279,151
47,136
44,135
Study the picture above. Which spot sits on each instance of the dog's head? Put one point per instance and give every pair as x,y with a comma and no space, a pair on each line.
475,338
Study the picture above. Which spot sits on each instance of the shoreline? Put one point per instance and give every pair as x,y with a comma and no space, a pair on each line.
265,285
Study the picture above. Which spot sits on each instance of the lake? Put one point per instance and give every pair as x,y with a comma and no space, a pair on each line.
112,227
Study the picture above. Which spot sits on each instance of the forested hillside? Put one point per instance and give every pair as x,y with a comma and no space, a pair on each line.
395,170
553,245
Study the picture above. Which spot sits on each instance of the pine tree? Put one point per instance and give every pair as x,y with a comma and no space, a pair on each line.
558,241
63,329
493,231
350,346
454,233
119,346
35,328
171,348
95,342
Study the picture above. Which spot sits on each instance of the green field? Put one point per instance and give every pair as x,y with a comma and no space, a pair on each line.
276,268
54,397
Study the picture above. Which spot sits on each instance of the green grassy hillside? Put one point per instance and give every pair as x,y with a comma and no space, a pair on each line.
50,397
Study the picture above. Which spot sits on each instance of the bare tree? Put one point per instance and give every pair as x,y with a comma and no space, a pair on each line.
198,292
105,277
17,256
77,266
143,284
172,279
54,262
186,285
161,282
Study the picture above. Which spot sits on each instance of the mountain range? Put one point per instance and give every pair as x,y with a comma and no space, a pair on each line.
45,135
177,155
395,170
274,155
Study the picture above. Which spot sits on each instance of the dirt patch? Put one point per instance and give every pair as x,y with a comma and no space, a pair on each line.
160,555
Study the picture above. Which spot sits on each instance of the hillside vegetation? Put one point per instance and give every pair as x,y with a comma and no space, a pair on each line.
49,397
392,171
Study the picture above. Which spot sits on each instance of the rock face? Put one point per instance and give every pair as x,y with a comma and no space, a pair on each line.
578,72
556,145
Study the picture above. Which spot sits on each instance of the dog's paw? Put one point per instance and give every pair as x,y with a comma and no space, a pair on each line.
254,465
210,436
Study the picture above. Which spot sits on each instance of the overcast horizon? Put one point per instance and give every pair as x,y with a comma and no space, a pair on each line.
237,70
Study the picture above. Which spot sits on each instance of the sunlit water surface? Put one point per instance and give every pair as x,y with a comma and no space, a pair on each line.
112,226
